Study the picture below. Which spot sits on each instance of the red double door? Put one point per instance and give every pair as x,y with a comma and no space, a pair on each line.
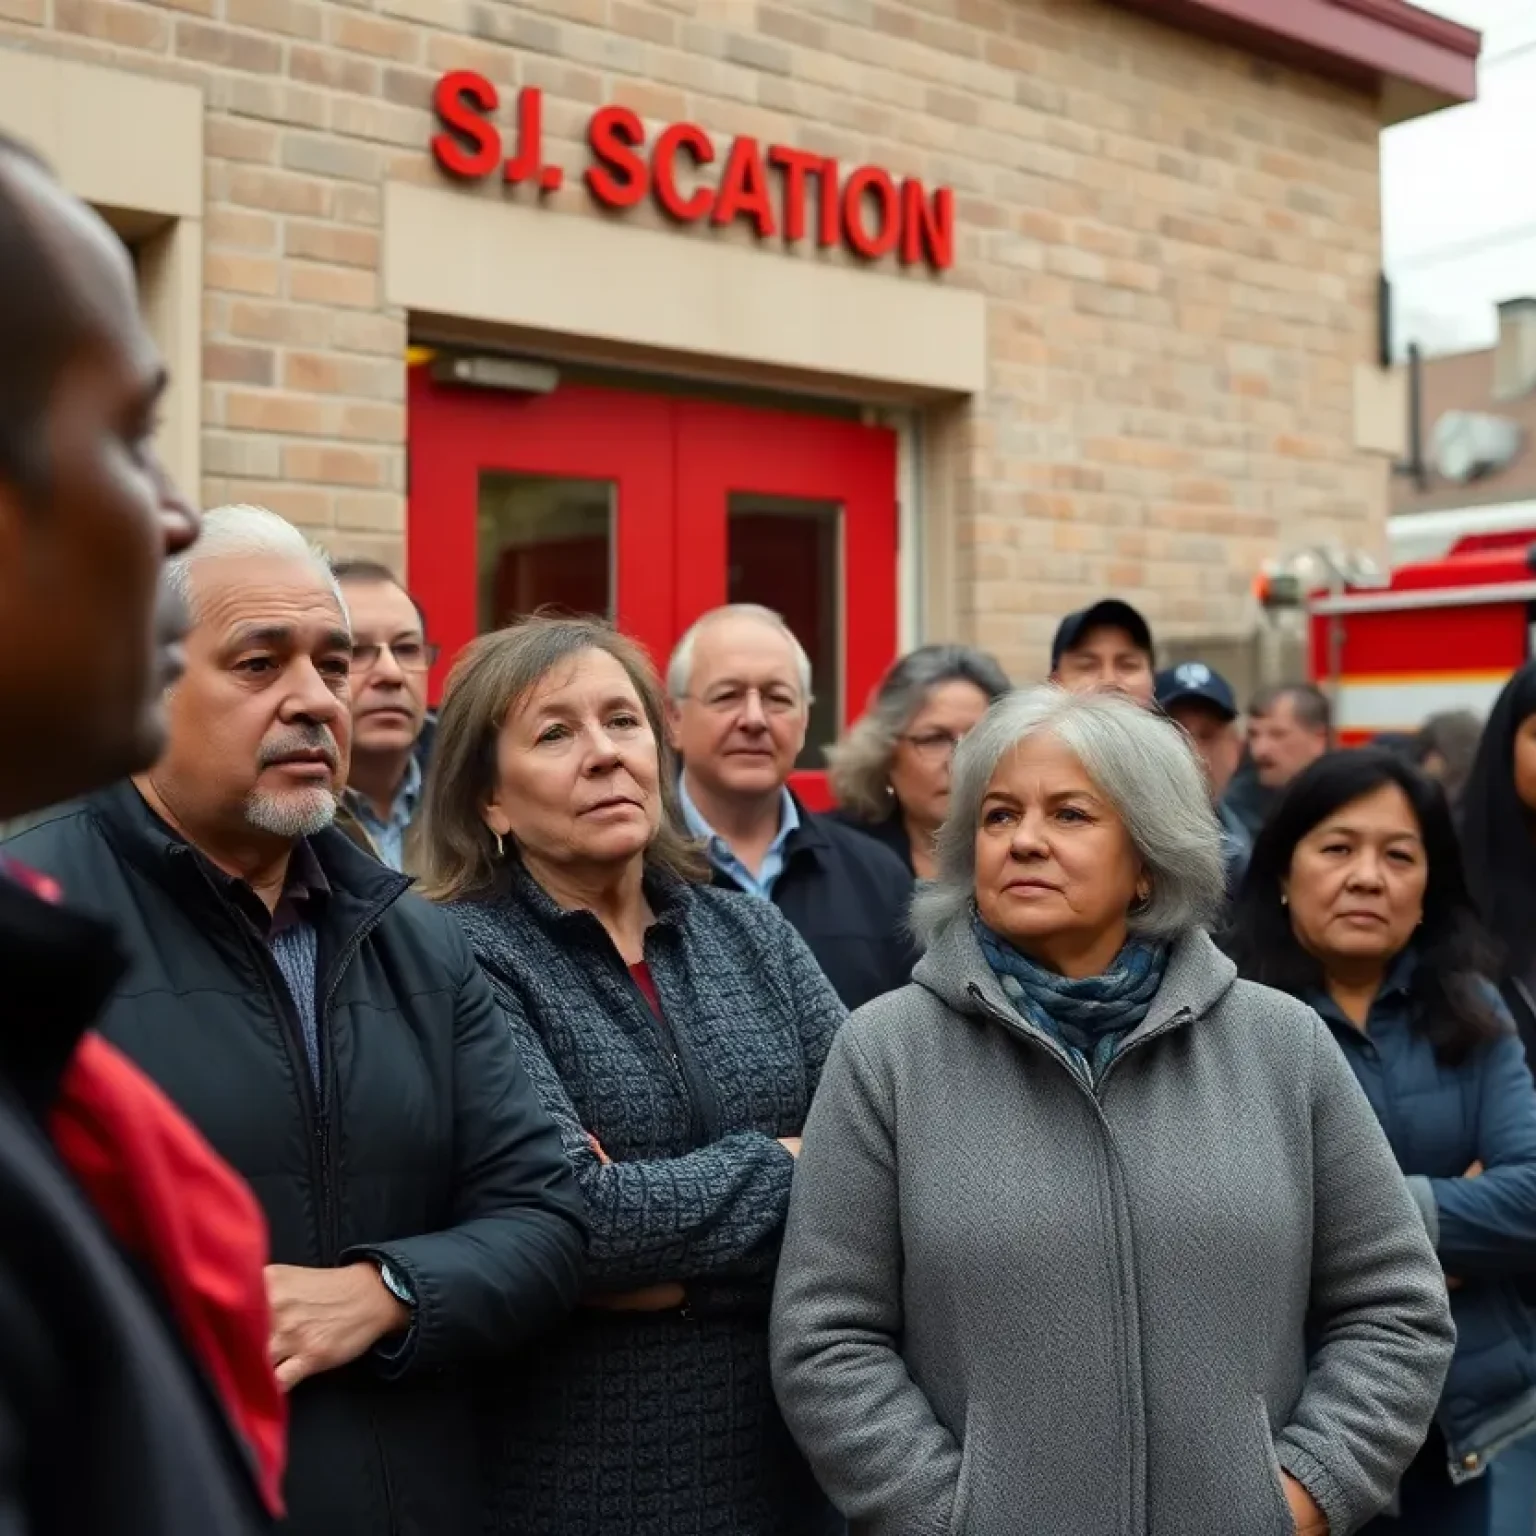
651,509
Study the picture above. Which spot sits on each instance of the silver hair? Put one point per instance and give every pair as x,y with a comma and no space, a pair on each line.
861,762
1145,767
680,666
250,531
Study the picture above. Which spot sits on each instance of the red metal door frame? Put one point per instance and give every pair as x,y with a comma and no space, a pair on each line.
728,448
576,433
674,464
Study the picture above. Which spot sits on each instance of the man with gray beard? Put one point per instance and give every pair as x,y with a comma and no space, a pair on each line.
332,1037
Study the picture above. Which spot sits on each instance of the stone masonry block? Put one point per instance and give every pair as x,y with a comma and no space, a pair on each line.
334,243
293,18
321,464
113,21
242,51
378,36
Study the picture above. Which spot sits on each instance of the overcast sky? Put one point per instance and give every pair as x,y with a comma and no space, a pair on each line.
1459,191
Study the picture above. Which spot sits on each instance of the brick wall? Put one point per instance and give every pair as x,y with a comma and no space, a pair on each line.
1179,244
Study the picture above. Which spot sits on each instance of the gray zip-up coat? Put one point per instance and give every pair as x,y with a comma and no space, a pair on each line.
1008,1304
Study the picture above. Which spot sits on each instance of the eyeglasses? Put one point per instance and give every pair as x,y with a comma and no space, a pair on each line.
934,746
410,655
775,700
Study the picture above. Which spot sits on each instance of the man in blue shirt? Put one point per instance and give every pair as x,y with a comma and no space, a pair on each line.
740,698
391,730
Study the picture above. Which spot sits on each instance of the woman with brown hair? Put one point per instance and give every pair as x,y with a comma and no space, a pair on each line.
676,1034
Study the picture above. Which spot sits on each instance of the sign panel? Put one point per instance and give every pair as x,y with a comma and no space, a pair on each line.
776,190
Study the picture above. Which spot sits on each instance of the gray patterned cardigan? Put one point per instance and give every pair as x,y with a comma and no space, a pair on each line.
660,1424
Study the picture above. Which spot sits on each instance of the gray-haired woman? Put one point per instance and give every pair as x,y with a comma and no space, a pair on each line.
890,772
1088,1236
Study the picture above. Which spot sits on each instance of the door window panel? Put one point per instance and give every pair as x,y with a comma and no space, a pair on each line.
786,554
543,541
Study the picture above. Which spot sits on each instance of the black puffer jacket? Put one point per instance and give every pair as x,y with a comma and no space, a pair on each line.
847,897
107,1426
435,1130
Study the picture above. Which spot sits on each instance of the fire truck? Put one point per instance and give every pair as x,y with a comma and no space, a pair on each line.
1443,631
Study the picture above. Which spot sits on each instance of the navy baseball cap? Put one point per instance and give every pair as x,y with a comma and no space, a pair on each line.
1110,613
1192,682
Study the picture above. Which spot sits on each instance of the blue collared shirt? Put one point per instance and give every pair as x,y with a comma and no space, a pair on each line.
388,837
291,937
719,851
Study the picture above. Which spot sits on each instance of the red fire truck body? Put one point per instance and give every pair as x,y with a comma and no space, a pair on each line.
1444,634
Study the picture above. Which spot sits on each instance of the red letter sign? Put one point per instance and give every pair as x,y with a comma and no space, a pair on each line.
471,146
927,232
868,179
867,213
663,168
829,221
744,188
613,134
796,165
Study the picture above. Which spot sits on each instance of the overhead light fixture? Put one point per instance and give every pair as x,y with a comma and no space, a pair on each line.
510,374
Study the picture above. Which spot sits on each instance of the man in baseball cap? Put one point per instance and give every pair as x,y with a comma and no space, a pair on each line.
1201,701
1107,645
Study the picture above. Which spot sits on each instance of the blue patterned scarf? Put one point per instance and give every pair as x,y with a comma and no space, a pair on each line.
1089,1016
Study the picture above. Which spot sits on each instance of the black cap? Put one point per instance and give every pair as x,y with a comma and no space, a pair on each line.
1110,613
1193,682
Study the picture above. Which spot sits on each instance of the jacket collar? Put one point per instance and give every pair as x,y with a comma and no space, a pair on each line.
425,742
359,886
891,830
809,837
669,898
60,967
1393,1000
954,969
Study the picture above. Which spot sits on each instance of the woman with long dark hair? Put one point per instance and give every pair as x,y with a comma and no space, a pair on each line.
1355,901
1498,838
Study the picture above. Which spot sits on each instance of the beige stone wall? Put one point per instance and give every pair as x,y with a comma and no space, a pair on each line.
1179,247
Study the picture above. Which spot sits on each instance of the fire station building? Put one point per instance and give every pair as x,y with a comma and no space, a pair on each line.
914,319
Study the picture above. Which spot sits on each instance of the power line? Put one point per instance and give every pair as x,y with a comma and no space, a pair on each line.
1504,55
1470,247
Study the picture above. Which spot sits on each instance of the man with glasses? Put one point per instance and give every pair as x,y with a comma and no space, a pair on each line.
391,728
740,700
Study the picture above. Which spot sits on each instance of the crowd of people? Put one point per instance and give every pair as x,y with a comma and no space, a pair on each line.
530,1117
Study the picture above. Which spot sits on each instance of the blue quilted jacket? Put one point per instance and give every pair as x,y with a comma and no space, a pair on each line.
1439,1121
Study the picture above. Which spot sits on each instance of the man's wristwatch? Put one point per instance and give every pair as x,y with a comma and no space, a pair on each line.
397,1286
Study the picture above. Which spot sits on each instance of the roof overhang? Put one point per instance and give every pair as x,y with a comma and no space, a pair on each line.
1416,62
